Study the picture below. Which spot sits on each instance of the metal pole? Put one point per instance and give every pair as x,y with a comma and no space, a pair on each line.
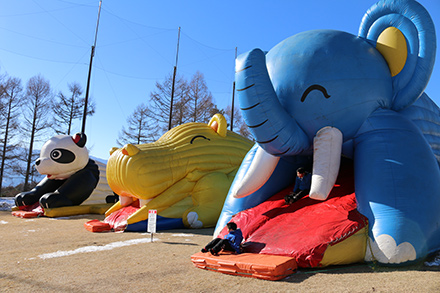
86,99
233,96
174,81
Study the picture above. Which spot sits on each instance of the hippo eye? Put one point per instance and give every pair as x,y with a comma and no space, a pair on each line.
62,156
315,87
199,136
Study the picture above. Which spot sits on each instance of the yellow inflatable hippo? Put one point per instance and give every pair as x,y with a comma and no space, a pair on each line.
185,175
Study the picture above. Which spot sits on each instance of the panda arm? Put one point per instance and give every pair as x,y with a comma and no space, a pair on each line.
30,197
45,186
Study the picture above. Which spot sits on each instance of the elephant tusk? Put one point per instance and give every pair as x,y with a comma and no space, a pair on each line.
327,148
259,172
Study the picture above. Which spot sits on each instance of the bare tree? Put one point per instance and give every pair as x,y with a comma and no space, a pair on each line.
200,104
140,129
68,108
37,106
160,101
10,94
239,125
20,169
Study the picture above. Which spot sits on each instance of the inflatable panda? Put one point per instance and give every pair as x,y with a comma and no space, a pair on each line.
70,175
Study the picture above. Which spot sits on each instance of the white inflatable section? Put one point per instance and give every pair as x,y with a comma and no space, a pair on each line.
259,172
327,147
385,250
193,220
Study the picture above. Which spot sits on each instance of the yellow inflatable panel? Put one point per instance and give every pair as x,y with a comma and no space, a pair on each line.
77,210
351,250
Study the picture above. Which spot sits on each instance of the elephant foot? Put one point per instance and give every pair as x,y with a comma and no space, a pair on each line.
386,251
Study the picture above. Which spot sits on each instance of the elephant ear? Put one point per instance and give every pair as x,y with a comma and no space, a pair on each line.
403,32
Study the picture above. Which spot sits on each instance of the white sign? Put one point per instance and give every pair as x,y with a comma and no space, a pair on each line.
152,216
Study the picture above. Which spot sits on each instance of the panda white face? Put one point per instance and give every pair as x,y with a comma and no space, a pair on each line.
61,157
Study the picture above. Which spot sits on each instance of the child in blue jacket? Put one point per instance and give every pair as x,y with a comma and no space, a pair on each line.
231,241
302,186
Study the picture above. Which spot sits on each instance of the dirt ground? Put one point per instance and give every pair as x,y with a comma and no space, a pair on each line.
60,255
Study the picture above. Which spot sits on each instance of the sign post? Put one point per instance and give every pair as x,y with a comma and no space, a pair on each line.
152,216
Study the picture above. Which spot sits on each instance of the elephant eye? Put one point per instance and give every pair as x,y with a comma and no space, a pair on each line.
199,136
315,87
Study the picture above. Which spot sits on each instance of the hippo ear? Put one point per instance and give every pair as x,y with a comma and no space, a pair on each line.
218,124
403,32
112,150
79,139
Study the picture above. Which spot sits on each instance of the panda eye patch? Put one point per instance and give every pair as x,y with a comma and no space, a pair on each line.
62,156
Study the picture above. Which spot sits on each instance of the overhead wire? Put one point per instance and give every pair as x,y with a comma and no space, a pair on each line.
75,3
42,39
35,12
127,23
37,58
137,23
71,69
66,27
124,21
111,87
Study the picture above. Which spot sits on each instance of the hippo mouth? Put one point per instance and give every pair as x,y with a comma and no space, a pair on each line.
306,229
130,214
117,220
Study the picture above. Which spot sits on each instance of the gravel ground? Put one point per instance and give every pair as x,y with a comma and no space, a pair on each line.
60,255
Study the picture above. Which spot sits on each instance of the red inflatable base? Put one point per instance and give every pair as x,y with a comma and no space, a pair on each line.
31,211
116,221
305,229
97,226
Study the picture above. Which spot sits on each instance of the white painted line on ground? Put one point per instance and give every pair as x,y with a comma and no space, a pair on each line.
95,248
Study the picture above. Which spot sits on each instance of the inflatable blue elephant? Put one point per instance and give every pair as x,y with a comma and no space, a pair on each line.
327,93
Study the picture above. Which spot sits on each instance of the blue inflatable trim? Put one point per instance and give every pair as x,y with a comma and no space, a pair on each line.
162,224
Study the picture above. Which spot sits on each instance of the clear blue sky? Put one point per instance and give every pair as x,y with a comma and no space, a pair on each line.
137,40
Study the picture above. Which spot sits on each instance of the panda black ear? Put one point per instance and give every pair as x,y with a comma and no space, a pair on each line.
80,139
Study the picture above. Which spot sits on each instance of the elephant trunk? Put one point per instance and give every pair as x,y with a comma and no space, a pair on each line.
270,124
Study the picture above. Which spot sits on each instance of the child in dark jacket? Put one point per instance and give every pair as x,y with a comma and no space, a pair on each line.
302,186
231,241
